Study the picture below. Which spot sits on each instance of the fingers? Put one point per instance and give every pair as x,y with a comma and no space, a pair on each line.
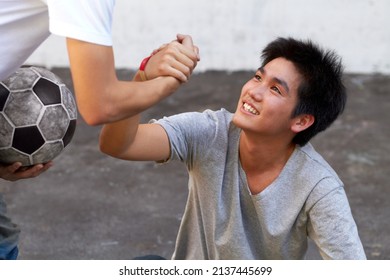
16,172
196,50
176,68
177,59
159,49
186,41
6,172
29,172
33,171
13,167
173,60
182,58
42,169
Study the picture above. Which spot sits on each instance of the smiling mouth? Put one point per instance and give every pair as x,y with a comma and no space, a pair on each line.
248,108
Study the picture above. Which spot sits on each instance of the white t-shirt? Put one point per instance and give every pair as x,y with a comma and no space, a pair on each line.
25,24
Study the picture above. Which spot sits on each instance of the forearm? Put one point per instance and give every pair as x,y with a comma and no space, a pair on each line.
117,138
125,99
101,97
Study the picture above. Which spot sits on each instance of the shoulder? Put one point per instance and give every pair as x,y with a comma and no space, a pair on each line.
199,120
314,163
320,177
307,169
221,117
194,135
198,128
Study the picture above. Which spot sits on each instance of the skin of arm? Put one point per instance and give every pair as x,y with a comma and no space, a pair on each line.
129,140
102,98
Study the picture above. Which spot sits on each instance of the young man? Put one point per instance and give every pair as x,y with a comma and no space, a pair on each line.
100,96
257,188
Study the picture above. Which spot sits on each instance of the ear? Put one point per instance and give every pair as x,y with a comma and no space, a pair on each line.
302,122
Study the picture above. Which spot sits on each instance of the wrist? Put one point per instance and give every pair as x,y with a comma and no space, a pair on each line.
142,67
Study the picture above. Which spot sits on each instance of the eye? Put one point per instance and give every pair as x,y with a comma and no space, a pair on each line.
276,90
257,77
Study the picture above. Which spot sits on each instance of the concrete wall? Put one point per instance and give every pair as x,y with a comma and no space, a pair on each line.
231,33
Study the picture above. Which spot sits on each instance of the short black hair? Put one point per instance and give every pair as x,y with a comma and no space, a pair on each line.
322,93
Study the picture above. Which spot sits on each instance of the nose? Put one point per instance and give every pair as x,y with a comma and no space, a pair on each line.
256,92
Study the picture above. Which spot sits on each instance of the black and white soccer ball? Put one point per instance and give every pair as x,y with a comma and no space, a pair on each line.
37,116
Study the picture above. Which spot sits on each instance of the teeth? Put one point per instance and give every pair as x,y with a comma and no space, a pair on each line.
250,109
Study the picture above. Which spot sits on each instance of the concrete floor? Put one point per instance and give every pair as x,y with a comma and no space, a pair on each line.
89,206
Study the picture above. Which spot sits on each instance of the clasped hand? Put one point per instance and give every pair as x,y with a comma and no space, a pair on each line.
176,59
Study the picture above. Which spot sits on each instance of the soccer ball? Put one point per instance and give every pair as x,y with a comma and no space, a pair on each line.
37,116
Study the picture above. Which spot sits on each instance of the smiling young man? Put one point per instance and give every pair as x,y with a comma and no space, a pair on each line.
257,188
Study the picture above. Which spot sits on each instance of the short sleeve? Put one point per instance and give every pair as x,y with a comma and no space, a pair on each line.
192,135
332,227
86,20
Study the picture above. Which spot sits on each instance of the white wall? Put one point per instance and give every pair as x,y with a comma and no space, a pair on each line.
231,33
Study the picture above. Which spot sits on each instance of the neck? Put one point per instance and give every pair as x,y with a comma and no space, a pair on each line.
258,155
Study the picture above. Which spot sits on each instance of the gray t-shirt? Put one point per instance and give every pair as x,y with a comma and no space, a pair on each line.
223,220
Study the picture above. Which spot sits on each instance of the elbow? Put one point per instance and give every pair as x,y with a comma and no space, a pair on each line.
109,149
104,148
95,116
104,145
93,120
107,143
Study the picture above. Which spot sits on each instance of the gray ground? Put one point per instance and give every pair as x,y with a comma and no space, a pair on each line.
89,206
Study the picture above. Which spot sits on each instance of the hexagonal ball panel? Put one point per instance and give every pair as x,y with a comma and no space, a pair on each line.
47,74
47,152
54,123
6,132
47,91
27,139
23,78
10,155
23,108
4,93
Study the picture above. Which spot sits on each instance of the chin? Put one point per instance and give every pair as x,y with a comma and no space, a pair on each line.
237,121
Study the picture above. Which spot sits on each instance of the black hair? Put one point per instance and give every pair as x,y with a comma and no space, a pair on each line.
322,93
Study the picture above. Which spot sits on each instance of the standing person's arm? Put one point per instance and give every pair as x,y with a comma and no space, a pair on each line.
129,140
102,98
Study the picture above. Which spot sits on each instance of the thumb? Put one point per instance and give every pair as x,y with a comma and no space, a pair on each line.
185,40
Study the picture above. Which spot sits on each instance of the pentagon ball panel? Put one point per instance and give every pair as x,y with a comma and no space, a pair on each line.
47,92
37,116
27,139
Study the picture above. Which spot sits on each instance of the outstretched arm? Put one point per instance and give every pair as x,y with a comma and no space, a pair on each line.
102,98
129,140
